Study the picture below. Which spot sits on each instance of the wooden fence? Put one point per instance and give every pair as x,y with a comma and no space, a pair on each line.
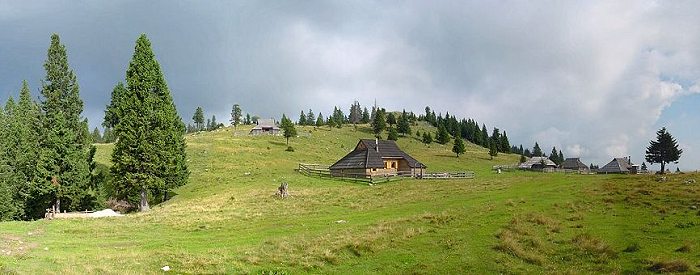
321,171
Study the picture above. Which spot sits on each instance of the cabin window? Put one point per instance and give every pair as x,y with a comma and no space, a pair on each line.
393,164
374,169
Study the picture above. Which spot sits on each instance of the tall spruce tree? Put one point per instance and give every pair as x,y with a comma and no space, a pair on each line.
310,118
149,155
236,114
663,150
379,123
392,135
355,113
319,120
505,144
403,125
459,147
302,119
365,116
198,118
62,171
442,137
537,151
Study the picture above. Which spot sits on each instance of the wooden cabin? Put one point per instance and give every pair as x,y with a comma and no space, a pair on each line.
377,158
265,127
537,163
619,166
575,164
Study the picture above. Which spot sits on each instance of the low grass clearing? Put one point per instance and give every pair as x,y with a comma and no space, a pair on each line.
227,219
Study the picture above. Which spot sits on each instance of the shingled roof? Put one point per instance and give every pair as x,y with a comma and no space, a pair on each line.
366,155
537,161
617,165
573,163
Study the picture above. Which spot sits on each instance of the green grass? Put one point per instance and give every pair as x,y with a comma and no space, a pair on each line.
227,219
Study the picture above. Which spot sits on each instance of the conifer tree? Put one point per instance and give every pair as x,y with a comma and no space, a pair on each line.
561,157
198,118
505,144
236,114
459,147
302,119
427,138
537,151
484,137
365,116
355,113
310,118
644,166
393,135
554,156
663,150
96,136
319,120
379,123
149,155
492,150
213,125
403,125
63,175
391,119
248,120
287,128
442,137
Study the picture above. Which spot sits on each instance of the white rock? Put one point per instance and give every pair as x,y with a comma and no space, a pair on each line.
165,268
341,221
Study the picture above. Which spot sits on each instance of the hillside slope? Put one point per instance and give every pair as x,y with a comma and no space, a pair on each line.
227,220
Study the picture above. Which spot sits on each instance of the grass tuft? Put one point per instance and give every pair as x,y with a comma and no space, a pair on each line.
669,266
685,248
632,248
593,246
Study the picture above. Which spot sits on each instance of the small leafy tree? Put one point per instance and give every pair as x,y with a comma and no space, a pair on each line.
459,147
663,150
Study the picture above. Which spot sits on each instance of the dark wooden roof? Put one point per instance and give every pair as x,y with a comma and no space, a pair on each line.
617,165
573,163
365,155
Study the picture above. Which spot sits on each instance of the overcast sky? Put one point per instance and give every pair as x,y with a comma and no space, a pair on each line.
596,79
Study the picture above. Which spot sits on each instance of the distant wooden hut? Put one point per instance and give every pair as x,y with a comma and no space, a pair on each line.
376,158
619,166
265,127
575,164
537,163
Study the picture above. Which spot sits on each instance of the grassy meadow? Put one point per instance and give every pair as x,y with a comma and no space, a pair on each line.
227,219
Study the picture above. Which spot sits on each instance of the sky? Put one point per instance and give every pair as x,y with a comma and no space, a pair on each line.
596,79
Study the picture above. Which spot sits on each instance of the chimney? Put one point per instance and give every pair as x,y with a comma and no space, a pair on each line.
376,144
629,160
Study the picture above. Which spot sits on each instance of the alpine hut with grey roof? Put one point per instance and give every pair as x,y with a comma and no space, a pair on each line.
377,158
265,127
575,164
619,166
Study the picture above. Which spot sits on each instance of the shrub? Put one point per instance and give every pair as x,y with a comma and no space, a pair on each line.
632,248
290,149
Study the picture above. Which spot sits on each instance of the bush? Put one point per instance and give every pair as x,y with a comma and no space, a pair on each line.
290,149
632,248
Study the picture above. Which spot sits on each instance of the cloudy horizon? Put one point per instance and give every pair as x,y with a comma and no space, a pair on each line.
595,79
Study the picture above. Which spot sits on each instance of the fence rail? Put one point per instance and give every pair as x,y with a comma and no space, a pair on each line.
321,171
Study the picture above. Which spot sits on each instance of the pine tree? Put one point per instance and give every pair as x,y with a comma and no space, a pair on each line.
287,128
310,118
561,157
442,137
302,119
107,135
492,150
365,116
355,113
248,120
663,150
393,135
536,151
213,125
379,123
459,147
403,125
505,144
484,137
391,119
554,156
63,175
149,155
236,114
427,138
96,136
319,120
198,118
644,166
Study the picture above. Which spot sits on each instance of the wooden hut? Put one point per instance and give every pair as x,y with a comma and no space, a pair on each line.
376,158
619,166
537,163
265,127
575,164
